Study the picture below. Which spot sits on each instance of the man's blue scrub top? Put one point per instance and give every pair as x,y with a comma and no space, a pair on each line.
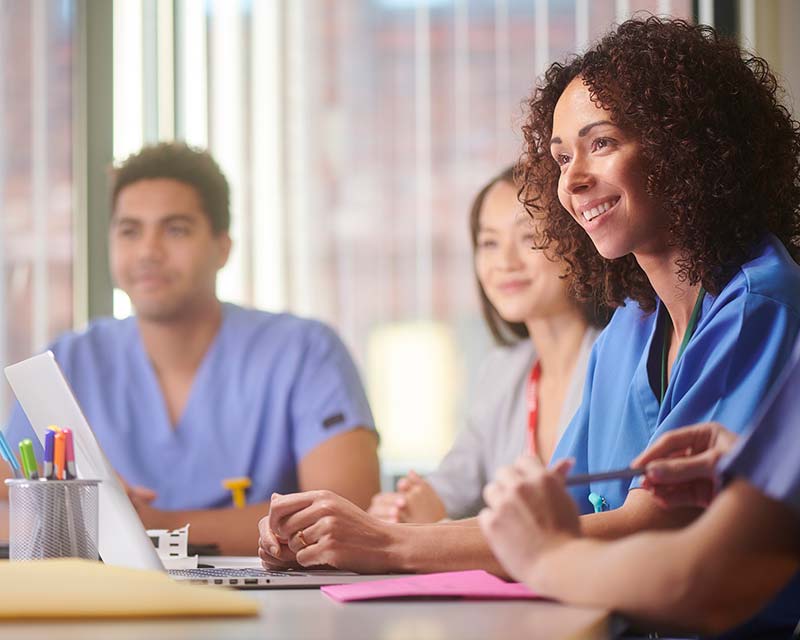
742,341
270,388
769,459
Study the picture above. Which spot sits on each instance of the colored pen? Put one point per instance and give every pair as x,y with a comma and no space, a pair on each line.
70,454
8,456
29,466
237,486
59,455
49,449
587,478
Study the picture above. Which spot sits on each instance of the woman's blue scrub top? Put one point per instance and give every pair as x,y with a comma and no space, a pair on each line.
742,341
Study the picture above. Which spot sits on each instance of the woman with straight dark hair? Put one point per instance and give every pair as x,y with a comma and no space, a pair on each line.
530,384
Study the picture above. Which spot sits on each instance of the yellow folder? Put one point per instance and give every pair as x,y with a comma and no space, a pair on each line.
70,588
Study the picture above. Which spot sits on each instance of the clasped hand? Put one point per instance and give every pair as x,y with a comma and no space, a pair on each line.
320,528
414,501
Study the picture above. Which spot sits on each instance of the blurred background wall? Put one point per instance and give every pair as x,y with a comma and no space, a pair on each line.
354,134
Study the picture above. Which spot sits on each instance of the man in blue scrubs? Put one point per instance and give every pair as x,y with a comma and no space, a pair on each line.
192,391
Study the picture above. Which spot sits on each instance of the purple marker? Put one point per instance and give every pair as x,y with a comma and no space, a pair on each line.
49,445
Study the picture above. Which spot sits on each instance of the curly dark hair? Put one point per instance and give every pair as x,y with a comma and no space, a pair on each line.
507,333
720,151
178,161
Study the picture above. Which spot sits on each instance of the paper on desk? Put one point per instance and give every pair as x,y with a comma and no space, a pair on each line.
453,584
71,588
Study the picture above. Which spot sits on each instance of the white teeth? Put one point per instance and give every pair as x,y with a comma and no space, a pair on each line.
591,214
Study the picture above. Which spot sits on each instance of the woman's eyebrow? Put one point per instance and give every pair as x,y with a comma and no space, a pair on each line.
583,131
588,127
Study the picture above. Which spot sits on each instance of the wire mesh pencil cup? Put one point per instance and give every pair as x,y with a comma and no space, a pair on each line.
53,519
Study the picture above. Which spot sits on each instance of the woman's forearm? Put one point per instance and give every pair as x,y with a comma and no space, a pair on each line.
628,576
446,546
639,513
707,577
460,544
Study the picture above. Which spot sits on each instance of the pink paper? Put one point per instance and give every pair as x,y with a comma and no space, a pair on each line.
453,584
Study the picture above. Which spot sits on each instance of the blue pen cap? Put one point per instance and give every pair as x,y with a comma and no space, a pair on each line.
7,453
49,445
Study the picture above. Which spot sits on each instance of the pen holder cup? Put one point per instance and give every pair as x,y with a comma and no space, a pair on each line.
53,519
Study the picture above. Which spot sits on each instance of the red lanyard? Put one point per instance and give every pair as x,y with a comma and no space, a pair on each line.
532,395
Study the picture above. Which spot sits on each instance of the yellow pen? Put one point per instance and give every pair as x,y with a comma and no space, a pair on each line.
237,487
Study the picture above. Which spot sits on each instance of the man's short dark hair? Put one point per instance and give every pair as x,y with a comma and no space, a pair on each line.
178,161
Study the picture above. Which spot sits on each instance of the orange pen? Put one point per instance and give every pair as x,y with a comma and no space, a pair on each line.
60,455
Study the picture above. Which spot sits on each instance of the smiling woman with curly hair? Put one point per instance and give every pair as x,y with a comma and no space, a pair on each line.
664,170
666,173
718,151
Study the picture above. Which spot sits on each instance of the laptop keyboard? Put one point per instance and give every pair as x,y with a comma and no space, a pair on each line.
232,573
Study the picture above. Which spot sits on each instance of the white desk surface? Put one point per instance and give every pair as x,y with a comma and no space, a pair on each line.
308,614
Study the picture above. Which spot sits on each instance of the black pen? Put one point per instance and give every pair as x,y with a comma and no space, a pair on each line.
587,478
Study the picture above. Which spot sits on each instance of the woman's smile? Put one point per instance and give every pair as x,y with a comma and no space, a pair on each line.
597,207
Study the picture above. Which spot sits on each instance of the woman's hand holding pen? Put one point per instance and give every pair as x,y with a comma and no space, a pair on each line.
681,467
414,501
528,512
321,528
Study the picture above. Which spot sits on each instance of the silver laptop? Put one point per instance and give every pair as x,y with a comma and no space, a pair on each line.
47,399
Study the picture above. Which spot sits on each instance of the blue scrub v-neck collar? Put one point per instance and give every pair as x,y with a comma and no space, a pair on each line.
651,406
163,430
648,401
690,329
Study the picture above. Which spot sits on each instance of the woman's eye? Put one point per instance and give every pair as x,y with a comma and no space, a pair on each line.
486,244
602,143
561,159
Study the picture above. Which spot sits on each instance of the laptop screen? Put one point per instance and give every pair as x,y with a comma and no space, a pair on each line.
46,398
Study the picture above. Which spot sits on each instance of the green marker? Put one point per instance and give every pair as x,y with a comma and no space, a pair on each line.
29,466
